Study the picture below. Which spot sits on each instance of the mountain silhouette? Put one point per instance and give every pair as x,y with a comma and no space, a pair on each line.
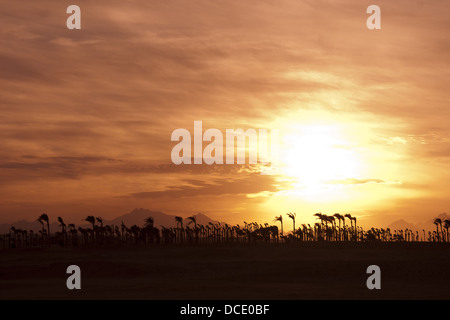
137,217
426,225
402,224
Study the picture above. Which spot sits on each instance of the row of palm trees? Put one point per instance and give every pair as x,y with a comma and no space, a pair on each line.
326,229
334,228
329,228
441,235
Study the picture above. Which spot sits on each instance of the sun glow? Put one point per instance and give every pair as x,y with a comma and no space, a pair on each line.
315,156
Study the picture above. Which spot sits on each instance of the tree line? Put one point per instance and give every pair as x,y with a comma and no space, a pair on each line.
334,228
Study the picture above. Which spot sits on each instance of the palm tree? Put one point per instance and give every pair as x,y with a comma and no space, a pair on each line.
31,237
149,222
12,240
149,232
73,233
63,229
91,219
123,232
135,231
44,217
194,221
99,230
446,226
438,222
339,217
279,218
42,223
62,225
331,220
84,235
292,216
349,216
100,220
179,221
320,216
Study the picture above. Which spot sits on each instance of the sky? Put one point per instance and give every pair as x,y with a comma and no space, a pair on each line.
87,115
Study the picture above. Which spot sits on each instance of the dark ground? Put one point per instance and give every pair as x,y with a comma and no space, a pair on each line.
276,271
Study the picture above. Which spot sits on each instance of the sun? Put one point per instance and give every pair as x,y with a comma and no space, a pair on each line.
318,155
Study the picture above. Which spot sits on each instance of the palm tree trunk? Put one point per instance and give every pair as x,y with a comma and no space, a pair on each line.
48,231
293,231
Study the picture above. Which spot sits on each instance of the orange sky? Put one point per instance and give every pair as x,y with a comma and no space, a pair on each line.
87,115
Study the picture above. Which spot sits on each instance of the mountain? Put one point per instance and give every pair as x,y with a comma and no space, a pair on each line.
402,224
135,217
426,225
430,223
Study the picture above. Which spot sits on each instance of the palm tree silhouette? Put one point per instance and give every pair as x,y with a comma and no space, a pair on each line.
447,226
41,222
135,231
98,230
349,216
123,232
332,231
193,219
340,217
149,222
151,234
99,220
292,216
84,235
73,233
319,227
91,220
179,221
253,232
279,218
63,230
319,216
62,225
44,218
438,222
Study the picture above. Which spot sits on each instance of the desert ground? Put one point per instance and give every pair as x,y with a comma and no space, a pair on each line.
229,271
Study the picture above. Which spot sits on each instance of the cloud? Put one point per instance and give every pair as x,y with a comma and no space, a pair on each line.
239,186
350,181
77,167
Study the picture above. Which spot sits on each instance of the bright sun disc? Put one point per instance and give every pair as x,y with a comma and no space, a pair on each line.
317,155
